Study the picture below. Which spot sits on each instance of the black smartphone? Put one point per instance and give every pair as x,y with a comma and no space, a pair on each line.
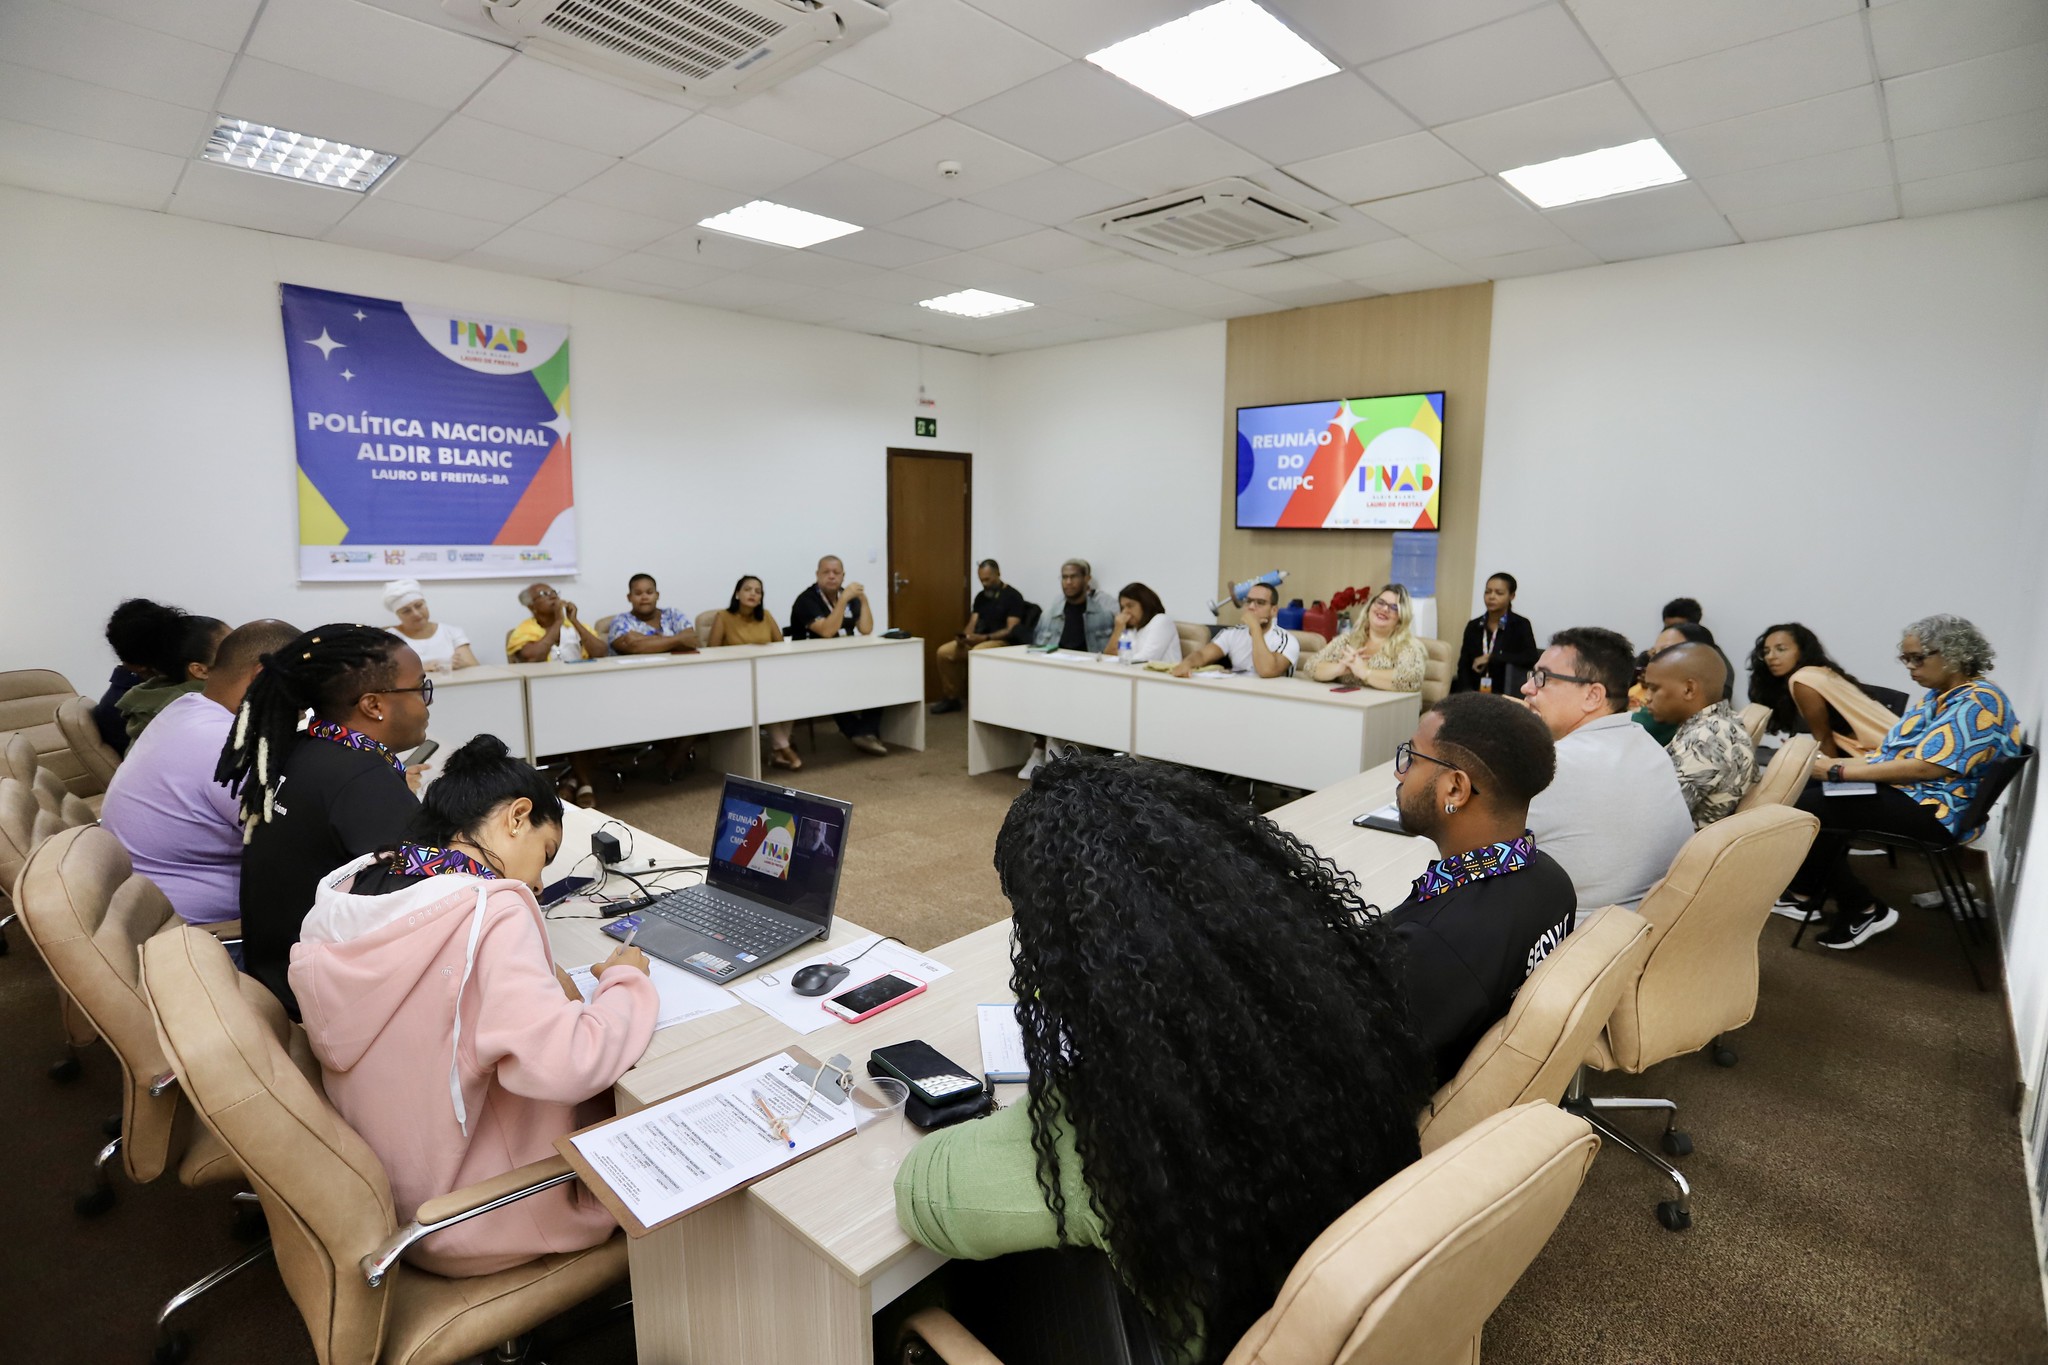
1380,820
423,753
931,1075
554,893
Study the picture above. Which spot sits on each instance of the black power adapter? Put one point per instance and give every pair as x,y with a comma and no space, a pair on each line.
606,847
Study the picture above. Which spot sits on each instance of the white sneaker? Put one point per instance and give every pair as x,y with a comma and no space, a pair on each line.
1860,930
1802,911
1031,765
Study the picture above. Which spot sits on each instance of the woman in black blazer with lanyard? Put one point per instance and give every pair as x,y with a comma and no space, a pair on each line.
1496,642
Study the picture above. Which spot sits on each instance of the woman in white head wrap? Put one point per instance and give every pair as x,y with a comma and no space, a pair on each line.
441,647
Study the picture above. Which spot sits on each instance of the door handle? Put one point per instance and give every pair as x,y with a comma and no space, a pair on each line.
897,582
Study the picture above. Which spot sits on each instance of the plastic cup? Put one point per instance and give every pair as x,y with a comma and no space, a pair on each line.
885,1133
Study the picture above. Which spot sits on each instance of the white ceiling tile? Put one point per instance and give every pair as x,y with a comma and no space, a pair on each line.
819,306
264,92
432,227
471,196
660,271
1109,305
1564,125
1377,258
854,194
1053,197
1976,189
1236,258
1544,260
517,265
1653,222
1194,294
827,112
216,23
1514,61
715,152
985,162
73,106
539,163
548,251
1316,295
945,55
742,291
103,51
1637,35
1476,244
883,249
583,221
1328,115
1268,281
714,250
1761,75
1173,158
603,277
1847,118
1397,166
972,270
85,168
1069,112
1813,177
1120,274
961,225
1441,276
349,233
1447,206
1968,92
1358,31
362,45
819,272
1915,35
252,199
1079,27
1350,228
1973,147
897,286
1817,215
637,189
1048,249
550,101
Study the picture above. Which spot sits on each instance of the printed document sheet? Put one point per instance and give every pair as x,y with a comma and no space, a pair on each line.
806,1013
683,997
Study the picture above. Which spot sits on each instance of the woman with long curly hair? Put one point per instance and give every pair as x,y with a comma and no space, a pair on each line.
1380,651
1221,1059
1790,672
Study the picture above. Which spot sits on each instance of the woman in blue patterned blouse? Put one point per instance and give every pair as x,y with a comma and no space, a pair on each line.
1927,771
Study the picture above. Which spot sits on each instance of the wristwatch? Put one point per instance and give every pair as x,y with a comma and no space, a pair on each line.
1835,773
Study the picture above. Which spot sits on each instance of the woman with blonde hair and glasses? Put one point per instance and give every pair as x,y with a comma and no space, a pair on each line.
1381,651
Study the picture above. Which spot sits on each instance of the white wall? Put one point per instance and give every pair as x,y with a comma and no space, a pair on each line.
1106,450
148,441
1830,429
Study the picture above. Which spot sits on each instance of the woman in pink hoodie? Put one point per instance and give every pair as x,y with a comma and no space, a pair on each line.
447,1036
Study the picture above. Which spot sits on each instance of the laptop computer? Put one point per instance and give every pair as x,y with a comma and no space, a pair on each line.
770,886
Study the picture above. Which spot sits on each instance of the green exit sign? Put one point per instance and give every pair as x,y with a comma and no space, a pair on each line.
926,426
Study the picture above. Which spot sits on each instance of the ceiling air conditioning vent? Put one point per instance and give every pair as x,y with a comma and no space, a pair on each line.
705,48
1219,216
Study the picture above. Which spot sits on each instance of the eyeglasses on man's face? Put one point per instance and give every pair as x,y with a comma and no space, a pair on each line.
1541,676
1913,660
425,689
1405,754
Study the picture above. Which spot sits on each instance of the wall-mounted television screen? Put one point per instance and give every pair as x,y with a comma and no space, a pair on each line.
1348,464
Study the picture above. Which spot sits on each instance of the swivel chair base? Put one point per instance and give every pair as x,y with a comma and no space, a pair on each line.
1674,1214
171,1344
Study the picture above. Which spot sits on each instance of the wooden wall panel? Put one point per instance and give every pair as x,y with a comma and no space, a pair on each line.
1403,343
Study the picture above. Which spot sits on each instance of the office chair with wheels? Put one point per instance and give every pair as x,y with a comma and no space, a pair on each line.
29,701
1784,777
24,825
1755,718
1699,981
1407,1276
337,1237
96,761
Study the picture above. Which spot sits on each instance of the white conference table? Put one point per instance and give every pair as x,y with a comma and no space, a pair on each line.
793,1268
1286,730
723,694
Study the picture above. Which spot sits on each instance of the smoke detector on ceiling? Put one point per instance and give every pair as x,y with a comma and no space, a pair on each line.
1219,216
707,49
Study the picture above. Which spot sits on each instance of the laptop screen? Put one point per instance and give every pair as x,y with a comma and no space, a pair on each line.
779,846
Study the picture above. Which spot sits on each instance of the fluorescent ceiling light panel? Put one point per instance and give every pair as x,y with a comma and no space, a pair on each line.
295,156
1595,175
974,303
777,224
1216,57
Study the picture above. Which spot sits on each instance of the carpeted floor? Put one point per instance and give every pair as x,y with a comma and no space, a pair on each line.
1858,1187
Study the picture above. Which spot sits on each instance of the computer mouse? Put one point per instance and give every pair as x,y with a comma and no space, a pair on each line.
818,978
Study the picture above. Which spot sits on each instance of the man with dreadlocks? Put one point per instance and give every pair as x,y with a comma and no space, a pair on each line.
314,800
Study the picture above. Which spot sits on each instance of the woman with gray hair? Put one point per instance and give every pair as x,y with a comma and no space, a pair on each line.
1928,769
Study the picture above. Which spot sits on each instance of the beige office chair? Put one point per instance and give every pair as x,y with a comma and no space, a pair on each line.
1700,979
20,762
29,699
1193,636
24,825
704,620
1784,777
1755,718
336,1236
1410,1274
604,626
96,761
1310,642
1533,1053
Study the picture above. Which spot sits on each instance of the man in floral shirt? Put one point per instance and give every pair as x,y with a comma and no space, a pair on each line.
1716,762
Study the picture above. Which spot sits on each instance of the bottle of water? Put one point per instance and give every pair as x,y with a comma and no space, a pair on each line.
1123,648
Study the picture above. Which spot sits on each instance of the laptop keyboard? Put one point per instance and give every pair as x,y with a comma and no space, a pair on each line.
740,925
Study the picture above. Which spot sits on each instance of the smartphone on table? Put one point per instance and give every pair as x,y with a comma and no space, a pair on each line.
932,1076
554,893
872,997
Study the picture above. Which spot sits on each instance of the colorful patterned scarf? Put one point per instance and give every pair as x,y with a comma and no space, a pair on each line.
336,733
414,860
1494,860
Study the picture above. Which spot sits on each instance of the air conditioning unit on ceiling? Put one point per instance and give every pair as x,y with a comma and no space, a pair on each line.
1220,216
708,49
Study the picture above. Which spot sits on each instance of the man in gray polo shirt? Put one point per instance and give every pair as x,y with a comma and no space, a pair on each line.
1613,817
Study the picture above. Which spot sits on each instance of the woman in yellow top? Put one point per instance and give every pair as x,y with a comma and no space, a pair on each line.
1381,651
746,622
1790,672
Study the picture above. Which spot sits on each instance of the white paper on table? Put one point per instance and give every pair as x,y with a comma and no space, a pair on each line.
683,997
1849,788
806,1013
1390,811
1002,1044
685,1151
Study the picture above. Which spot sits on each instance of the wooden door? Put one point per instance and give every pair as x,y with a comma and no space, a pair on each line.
930,497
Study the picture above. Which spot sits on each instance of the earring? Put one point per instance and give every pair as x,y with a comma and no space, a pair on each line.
1450,809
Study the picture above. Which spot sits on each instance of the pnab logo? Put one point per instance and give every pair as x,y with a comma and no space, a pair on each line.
534,556
492,347
486,336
